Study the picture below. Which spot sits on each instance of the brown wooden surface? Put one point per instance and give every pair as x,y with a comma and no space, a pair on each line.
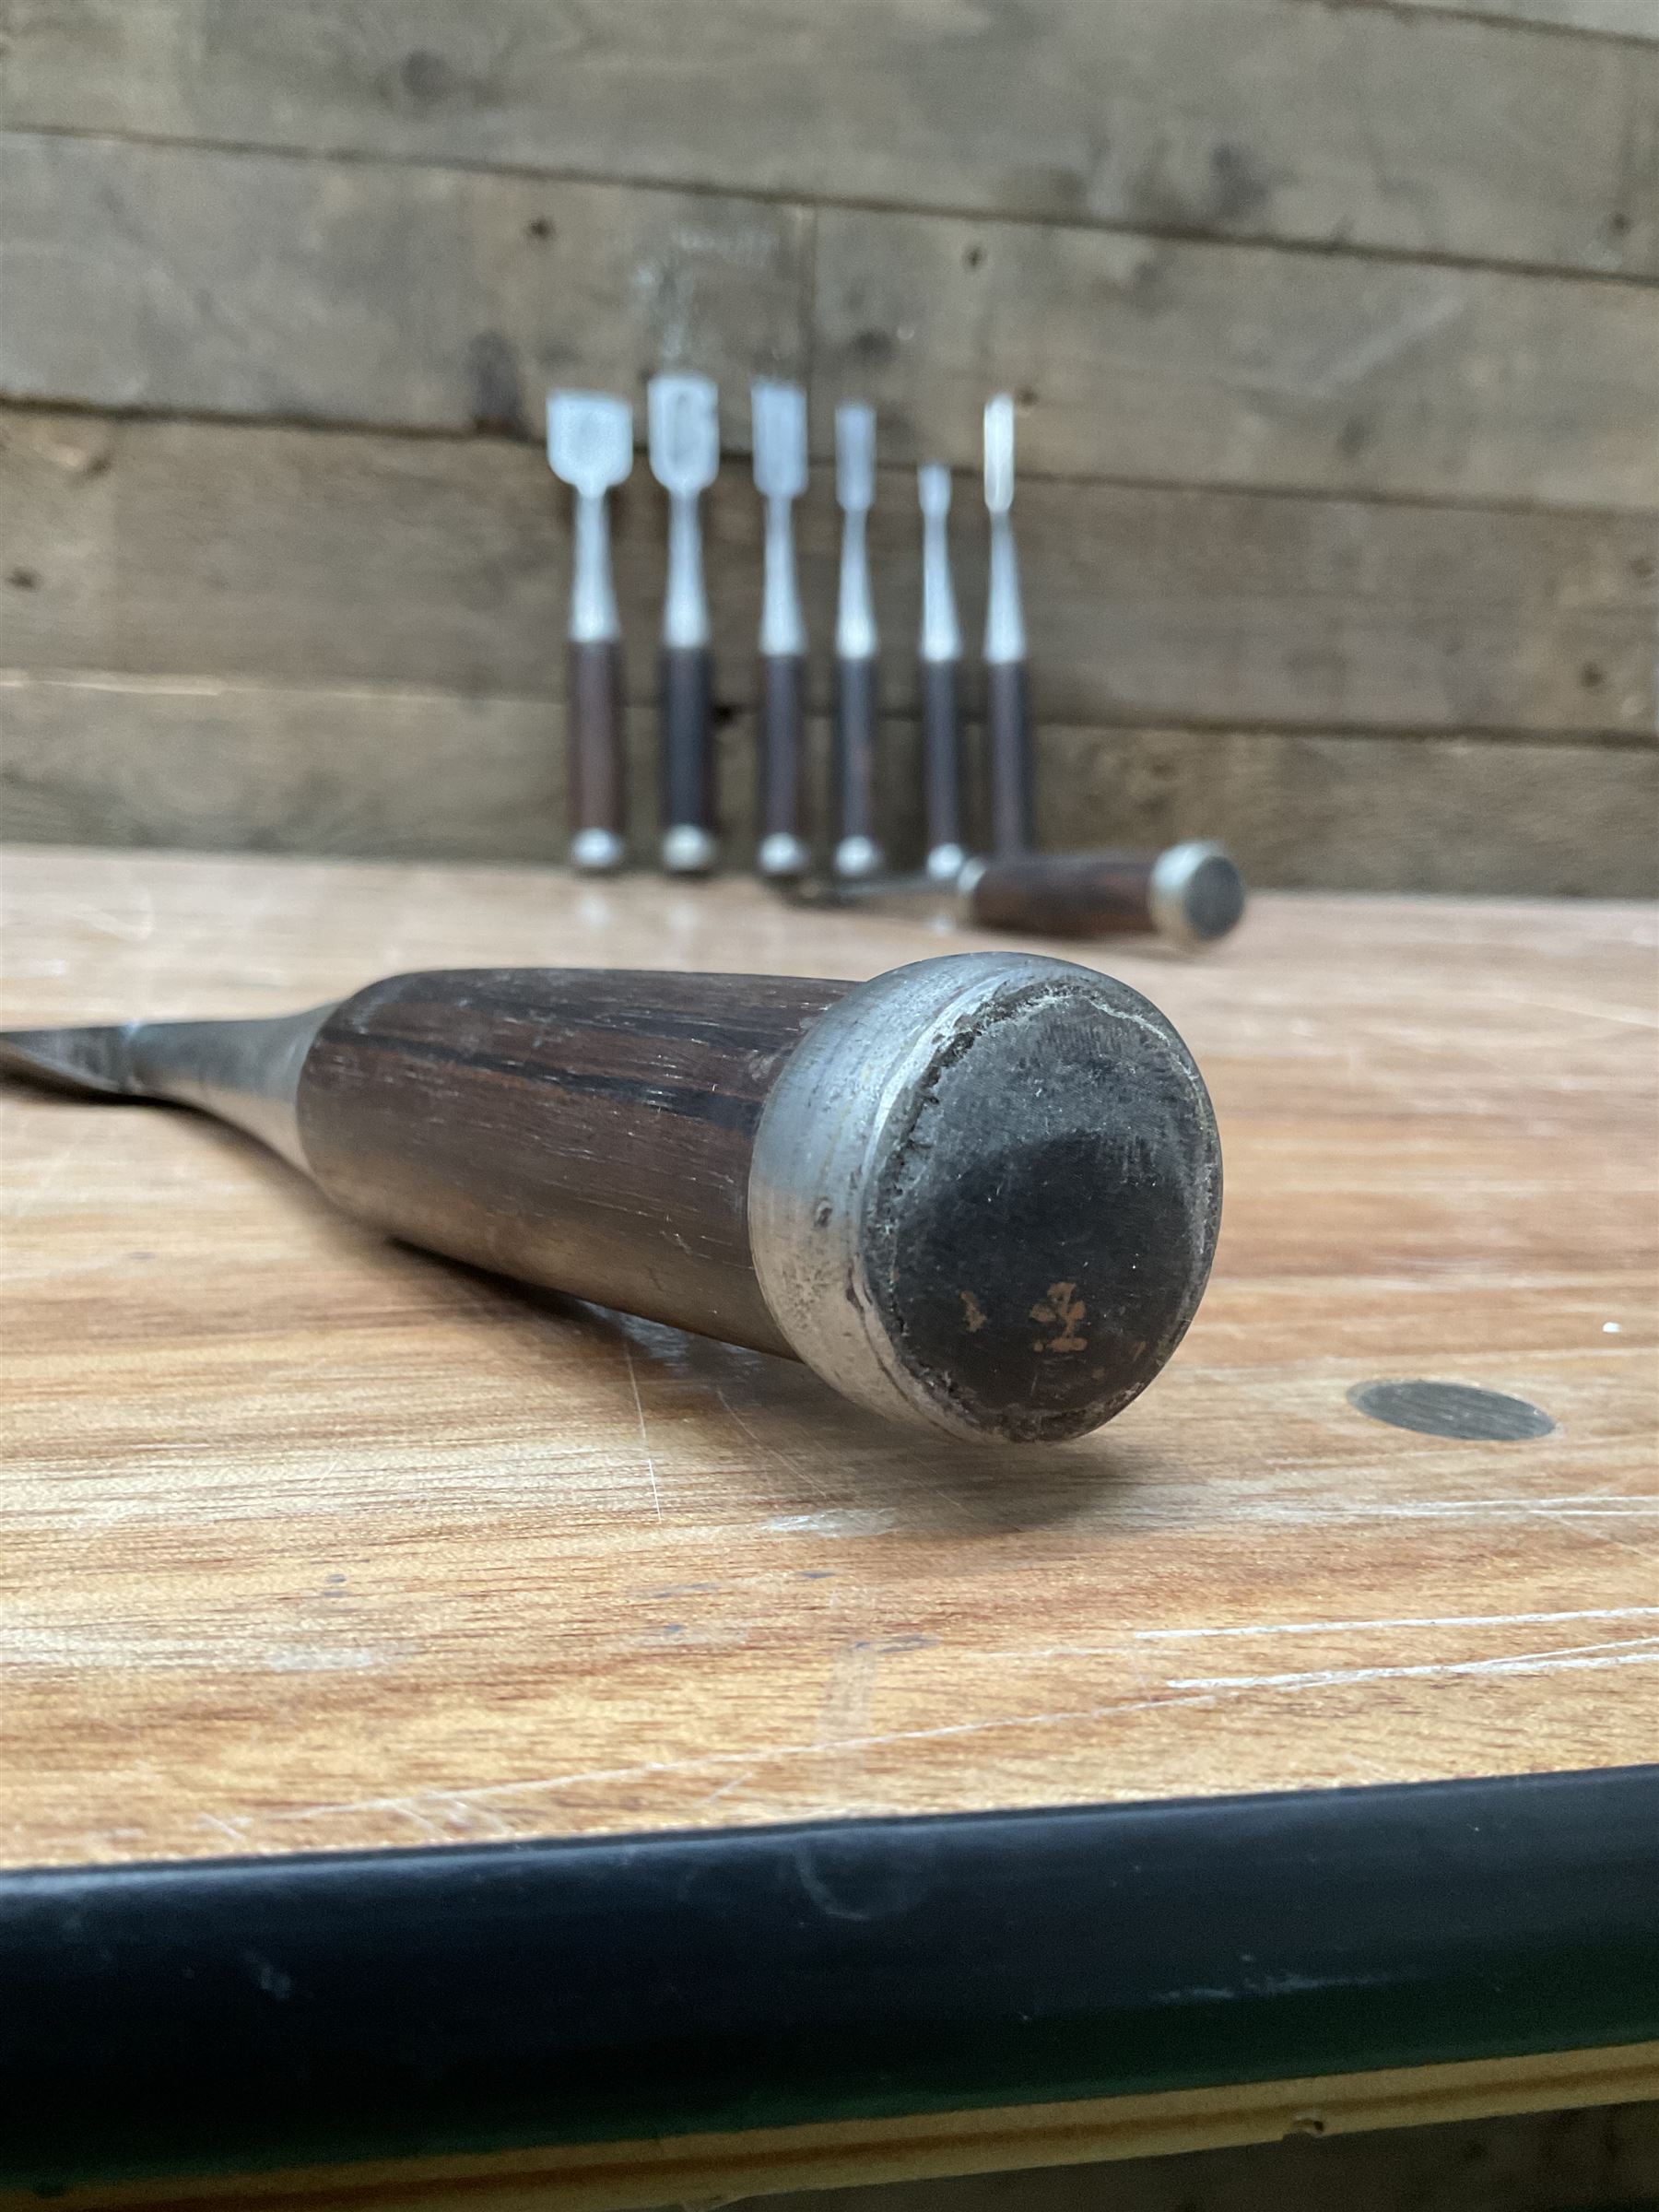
171,278
1332,327
315,1541
302,555
380,770
1284,119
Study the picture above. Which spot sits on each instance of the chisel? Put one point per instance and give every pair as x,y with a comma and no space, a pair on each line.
1007,691
1190,895
685,456
940,652
857,703
979,1193
778,419
590,447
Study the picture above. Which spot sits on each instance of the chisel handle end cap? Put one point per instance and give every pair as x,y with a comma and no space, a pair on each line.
782,857
1197,893
596,851
688,851
856,858
985,1194
945,864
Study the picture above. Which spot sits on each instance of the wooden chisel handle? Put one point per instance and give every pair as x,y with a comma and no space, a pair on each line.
780,808
1008,755
942,756
597,753
978,1193
857,716
1189,894
686,758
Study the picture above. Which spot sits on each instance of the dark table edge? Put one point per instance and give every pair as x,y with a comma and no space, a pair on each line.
238,2013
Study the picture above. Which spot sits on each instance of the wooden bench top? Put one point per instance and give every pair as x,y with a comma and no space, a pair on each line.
316,1543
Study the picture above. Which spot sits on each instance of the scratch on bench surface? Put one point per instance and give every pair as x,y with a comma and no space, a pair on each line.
1426,1620
656,1495
1639,1652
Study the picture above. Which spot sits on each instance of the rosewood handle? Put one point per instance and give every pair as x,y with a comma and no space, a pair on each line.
979,1192
780,807
853,774
597,755
686,758
1190,894
942,757
1008,757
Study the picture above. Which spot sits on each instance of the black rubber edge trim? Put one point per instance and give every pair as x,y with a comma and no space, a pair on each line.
226,2014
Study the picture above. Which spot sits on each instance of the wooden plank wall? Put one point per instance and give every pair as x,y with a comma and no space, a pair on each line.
1334,326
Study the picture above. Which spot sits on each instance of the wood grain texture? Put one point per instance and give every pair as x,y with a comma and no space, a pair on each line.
319,1542
1255,118
387,774
423,298
796,2163
181,279
1152,357
221,551
591,1124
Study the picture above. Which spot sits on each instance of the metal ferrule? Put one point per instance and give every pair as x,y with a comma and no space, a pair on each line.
245,1072
783,626
941,632
1005,618
593,618
816,1177
685,602
856,638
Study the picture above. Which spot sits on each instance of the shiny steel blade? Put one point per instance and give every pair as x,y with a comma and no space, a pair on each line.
941,636
778,415
933,489
590,440
855,455
999,453
96,1062
245,1072
684,413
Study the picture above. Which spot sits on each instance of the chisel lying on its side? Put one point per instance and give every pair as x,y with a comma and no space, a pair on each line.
1190,895
979,1193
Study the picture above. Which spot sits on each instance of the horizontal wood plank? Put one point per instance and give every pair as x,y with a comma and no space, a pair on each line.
292,555
318,1542
169,278
1148,358
1249,117
1614,19
131,762
177,278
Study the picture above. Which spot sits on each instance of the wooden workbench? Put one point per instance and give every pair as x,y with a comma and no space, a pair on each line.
319,1546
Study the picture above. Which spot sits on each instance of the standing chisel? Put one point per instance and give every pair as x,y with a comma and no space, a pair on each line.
780,440
685,456
857,705
1008,694
941,657
590,447
980,1193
